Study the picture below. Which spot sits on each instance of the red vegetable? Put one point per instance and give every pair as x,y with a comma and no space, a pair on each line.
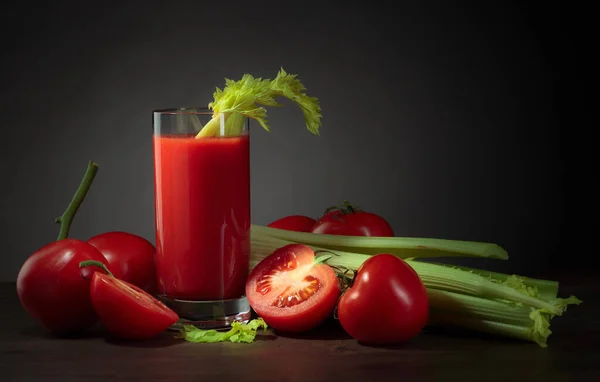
352,221
130,258
53,289
299,223
387,302
126,310
291,290
50,285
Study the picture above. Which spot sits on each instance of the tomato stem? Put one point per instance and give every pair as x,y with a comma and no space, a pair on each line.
95,263
346,282
344,208
322,259
326,251
342,275
66,218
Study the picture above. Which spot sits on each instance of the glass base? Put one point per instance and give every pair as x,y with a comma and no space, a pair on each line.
216,314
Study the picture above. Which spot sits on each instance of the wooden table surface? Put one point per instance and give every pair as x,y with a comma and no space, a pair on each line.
28,353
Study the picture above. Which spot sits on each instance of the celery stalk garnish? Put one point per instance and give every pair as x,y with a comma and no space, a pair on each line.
239,100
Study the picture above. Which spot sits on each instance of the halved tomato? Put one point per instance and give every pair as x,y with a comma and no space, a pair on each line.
291,290
127,311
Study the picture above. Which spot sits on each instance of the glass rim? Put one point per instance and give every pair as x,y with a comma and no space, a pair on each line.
202,110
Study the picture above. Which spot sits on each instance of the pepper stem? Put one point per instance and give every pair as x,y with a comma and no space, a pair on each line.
95,263
66,218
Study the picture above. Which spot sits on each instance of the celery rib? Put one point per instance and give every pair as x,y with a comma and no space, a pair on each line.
490,316
456,280
404,247
492,327
483,308
546,289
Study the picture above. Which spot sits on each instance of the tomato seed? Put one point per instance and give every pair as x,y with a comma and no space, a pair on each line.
287,299
263,285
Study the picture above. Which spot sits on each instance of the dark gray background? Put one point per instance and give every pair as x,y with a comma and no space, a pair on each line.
441,116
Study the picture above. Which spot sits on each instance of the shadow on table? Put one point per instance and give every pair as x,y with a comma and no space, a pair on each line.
99,333
431,339
444,338
329,330
36,331
164,339
442,332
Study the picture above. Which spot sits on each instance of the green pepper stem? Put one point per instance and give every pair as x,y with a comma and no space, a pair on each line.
66,218
95,263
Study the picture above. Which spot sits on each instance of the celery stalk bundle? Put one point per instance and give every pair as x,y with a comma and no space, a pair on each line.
501,304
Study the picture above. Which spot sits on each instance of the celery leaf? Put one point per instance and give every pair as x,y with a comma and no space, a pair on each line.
239,332
248,95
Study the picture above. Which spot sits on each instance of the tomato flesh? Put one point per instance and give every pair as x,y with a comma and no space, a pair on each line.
292,292
128,311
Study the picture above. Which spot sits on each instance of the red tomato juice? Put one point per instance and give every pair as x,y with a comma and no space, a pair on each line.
202,204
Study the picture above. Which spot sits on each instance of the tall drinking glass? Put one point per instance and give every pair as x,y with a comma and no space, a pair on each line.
202,216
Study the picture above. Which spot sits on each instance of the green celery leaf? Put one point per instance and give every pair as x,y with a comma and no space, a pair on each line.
245,95
239,332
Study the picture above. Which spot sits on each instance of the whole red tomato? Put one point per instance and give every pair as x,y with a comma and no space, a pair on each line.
387,302
291,290
299,223
130,258
352,221
127,311
55,291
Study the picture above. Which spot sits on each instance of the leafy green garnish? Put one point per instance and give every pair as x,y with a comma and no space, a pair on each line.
239,99
541,319
239,332
540,331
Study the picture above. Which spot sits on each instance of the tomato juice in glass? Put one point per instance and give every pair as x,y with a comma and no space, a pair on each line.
202,208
